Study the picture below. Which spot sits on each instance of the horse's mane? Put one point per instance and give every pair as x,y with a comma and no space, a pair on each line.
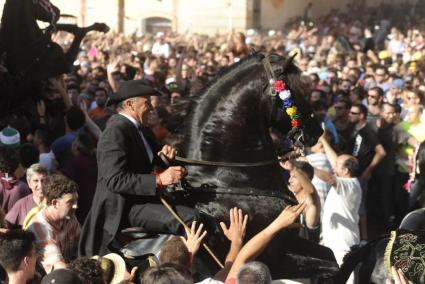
184,108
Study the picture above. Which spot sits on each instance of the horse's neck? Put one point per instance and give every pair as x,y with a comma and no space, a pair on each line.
229,125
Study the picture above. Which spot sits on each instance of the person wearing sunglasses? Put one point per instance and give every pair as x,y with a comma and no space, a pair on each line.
375,98
365,146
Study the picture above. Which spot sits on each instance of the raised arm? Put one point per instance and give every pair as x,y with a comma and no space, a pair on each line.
259,242
235,234
312,200
91,126
327,177
329,151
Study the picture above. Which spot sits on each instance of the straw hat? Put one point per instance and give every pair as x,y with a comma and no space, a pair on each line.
113,266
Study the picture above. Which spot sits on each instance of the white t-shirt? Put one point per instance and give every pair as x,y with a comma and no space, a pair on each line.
340,223
209,281
161,49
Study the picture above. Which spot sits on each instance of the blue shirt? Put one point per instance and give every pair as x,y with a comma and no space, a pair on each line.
62,146
329,125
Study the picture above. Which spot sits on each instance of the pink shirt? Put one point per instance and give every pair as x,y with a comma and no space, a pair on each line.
21,208
11,192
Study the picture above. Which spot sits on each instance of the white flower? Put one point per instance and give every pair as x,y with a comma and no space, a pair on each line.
285,94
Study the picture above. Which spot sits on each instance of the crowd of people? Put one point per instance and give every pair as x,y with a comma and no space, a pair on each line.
62,207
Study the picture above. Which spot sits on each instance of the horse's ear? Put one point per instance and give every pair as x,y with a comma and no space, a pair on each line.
289,61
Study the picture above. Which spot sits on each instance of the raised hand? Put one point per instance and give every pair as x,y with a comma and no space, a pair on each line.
194,237
41,108
287,165
83,107
289,215
112,65
131,276
237,229
398,275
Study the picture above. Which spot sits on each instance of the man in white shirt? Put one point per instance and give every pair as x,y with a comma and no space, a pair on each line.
340,223
161,47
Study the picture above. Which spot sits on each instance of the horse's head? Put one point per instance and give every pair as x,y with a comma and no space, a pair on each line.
19,31
45,11
291,112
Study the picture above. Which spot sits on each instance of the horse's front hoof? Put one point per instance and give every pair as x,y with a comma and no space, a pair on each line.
100,27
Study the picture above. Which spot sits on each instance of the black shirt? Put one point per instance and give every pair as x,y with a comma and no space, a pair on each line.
390,137
362,146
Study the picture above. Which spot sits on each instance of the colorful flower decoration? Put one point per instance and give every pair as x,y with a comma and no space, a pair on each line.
288,104
279,86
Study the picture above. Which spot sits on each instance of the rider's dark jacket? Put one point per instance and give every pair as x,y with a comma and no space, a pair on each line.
124,178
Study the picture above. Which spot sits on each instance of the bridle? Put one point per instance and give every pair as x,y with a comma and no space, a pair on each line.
296,134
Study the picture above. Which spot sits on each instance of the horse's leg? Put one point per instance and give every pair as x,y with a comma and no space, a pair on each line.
79,34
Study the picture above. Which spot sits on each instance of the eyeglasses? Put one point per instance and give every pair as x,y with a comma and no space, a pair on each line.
354,113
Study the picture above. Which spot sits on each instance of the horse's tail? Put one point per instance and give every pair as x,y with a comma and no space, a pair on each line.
357,255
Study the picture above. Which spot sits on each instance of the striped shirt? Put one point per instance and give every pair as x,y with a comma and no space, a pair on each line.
321,162
54,245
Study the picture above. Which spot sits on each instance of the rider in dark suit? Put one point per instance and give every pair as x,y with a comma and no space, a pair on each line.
127,190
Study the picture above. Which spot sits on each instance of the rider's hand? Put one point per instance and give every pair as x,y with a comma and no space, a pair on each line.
236,231
168,151
172,175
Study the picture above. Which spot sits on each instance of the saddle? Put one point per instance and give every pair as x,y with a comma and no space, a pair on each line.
137,243
406,250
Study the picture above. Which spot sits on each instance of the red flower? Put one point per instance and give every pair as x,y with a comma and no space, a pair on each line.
295,123
279,86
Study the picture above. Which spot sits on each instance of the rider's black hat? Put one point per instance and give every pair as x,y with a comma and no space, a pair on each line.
132,89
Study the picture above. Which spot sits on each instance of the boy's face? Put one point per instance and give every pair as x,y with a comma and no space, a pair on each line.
294,184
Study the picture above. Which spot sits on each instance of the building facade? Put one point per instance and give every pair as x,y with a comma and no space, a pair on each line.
195,16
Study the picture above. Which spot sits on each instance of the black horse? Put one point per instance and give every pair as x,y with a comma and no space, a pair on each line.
29,54
234,163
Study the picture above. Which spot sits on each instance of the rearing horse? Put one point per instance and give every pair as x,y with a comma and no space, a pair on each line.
227,137
29,54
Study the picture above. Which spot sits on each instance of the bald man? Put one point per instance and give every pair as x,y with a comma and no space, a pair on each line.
340,222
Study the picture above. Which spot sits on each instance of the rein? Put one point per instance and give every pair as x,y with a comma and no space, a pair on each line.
224,164
192,162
